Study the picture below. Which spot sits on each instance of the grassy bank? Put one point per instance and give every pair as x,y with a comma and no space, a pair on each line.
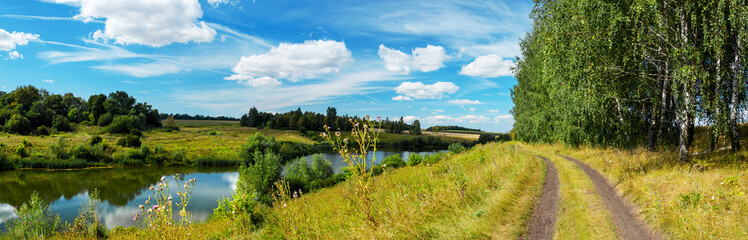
487,192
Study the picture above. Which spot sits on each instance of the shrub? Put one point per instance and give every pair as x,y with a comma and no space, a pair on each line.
321,168
394,161
22,151
43,131
129,141
5,162
57,149
414,159
61,124
18,124
105,119
242,209
90,153
257,143
259,176
298,174
456,148
377,169
431,159
486,138
124,124
170,128
95,140
87,224
35,220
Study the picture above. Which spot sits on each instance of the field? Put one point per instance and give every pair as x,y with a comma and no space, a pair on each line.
195,123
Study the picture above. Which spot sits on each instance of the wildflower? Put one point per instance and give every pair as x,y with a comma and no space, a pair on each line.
345,140
150,188
135,218
169,197
155,207
337,134
163,179
141,206
324,135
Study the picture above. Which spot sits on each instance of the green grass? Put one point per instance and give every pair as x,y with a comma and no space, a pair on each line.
486,193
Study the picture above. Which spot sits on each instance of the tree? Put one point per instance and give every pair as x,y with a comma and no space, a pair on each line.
18,124
332,115
96,105
416,128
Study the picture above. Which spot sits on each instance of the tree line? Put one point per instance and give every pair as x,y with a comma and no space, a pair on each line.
628,73
29,110
451,127
311,121
182,116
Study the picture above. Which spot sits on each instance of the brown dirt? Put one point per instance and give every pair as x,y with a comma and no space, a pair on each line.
628,226
543,222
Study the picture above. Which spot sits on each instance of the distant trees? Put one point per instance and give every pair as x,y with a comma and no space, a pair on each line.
29,110
182,116
451,127
632,73
415,129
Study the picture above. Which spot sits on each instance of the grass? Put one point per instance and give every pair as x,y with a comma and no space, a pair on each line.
582,213
486,193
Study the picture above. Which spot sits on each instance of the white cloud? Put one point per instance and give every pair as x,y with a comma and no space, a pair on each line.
493,111
464,102
439,110
255,82
48,80
488,66
145,22
427,59
504,118
410,119
9,40
418,90
472,109
15,55
88,54
215,3
143,70
294,61
439,119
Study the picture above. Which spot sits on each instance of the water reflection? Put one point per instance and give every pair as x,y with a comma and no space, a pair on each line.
123,189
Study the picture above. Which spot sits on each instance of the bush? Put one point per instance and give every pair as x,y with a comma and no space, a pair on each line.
43,131
35,220
257,143
90,153
22,151
170,128
242,209
129,141
95,140
377,169
5,162
18,124
124,124
486,138
61,124
414,159
259,176
321,168
456,148
57,149
105,119
431,159
298,175
394,161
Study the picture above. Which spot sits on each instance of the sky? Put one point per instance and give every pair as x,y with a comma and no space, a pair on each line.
441,62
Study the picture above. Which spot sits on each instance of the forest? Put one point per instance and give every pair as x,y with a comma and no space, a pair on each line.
633,73
296,120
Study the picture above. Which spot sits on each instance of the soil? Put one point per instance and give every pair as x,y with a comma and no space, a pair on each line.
543,221
628,226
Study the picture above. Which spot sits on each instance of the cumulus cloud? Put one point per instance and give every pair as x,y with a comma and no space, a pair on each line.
145,22
427,59
418,90
504,118
489,66
9,40
294,61
410,119
48,80
438,119
464,102
15,55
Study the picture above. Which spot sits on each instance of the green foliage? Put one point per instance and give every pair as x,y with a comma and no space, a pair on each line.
105,119
689,200
484,138
433,158
52,164
321,168
6,162
129,141
87,224
61,124
414,159
35,220
456,148
214,162
125,124
416,128
393,161
242,209
95,140
91,153
298,174
259,175
57,149
43,131
18,124
258,143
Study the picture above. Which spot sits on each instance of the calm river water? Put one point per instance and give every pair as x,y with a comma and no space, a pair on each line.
123,189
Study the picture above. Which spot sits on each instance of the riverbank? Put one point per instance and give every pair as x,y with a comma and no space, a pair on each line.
189,146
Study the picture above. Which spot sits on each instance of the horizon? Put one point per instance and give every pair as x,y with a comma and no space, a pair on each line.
441,63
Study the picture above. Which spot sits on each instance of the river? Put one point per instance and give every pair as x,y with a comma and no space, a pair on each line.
123,189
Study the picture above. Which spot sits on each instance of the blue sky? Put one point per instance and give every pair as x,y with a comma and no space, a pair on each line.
443,62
